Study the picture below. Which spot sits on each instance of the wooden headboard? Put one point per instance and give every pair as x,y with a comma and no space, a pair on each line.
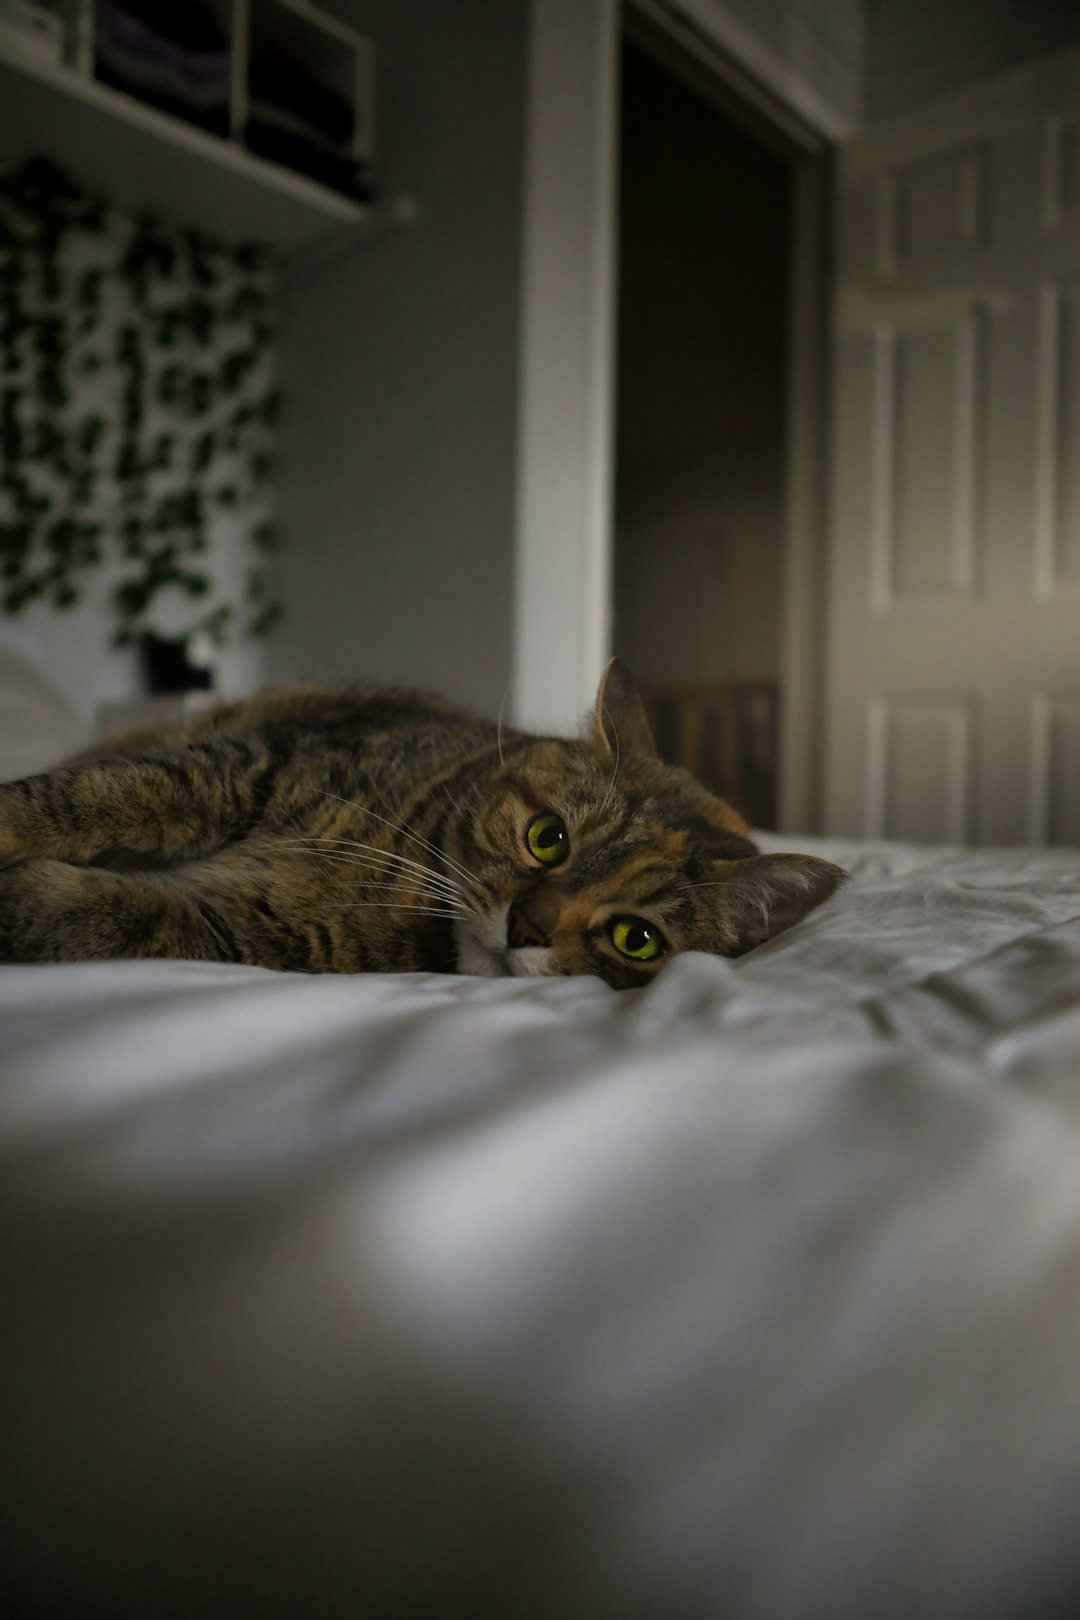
727,734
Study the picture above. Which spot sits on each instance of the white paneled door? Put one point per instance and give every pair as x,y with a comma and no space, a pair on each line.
953,665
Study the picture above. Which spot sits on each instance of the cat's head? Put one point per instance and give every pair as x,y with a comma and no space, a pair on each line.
595,857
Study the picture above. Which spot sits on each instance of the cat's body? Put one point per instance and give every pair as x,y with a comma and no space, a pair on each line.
362,829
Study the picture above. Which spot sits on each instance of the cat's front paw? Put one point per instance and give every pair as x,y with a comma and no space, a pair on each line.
18,912
13,846
53,912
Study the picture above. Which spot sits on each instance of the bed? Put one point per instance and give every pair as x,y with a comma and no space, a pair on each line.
755,1293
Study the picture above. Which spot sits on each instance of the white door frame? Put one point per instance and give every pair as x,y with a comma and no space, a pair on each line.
566,426
566,409
804,546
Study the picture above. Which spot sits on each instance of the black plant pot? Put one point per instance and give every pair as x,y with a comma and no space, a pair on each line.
167,667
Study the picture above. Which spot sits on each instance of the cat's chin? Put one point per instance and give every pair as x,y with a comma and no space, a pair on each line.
477,959
529,962
481,946
482,951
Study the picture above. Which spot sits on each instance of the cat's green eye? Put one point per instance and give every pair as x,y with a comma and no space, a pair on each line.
636,939
547,839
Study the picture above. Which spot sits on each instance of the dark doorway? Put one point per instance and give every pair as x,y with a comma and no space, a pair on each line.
703,343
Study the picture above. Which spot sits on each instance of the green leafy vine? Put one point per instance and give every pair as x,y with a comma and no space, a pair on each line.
137,412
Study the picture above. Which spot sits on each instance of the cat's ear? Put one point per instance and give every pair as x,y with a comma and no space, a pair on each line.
764,894
620,726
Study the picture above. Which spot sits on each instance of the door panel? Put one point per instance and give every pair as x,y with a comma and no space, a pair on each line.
919,769
953,662
1055,780
927,390
1057,492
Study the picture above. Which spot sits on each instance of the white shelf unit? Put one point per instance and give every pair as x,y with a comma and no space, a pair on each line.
143,159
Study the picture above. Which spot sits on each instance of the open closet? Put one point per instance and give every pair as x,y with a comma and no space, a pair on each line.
708,331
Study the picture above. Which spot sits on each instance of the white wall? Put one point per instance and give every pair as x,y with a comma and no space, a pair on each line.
72,649
400,369
918,49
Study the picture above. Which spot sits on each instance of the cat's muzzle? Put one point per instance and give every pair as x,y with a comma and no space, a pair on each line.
500,946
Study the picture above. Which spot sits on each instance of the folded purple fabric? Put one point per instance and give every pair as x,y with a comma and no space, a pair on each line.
135,36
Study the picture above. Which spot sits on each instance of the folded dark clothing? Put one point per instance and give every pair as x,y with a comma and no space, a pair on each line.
209,112
120,28
153,73
342,174
192,26
280,118
283,84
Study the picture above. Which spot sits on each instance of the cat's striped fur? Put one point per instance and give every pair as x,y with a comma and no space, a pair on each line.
362,829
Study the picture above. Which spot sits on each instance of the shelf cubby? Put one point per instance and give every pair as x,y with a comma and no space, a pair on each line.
143,159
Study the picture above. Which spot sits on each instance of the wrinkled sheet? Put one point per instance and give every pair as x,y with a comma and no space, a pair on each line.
755,1293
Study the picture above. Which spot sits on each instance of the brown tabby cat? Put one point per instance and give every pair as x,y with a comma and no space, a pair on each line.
359,829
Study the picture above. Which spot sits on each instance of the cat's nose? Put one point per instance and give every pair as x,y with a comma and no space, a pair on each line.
523,929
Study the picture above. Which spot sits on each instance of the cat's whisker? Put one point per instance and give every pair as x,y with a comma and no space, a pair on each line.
439,877
390,905
436,879
498,726
342,848
424,843
433,910
403,906
446,791
390,869
408,887
393,855
402,827
415,887
417,891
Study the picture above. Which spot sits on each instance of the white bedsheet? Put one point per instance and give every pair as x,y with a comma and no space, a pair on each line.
752,1294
